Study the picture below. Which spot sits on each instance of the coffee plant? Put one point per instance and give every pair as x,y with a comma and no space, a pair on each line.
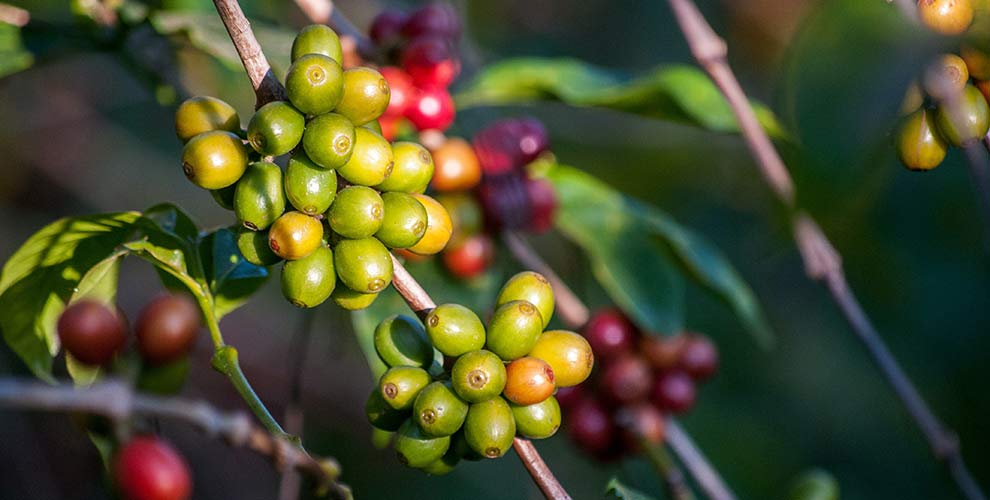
497,295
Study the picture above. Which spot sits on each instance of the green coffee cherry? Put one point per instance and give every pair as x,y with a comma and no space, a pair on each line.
309,281
401,341
438,410
478,376
537,421
200,114
254,247
972,121
371,162
404,222
490,427
374,126
275,129
919,144
364,265
259,198
514,329
317,39
415,449
459,446
531,287
309,187
412,171
401,384
329,140
366,95
349,299
381,415
214,160
224,196
315,84
455,329
356,212
295,235
444,465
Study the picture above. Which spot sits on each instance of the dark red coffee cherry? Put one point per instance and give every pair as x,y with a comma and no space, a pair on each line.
147,468
626,379
663,353
386,28
638,423
510,144
431,109
504,201
674,391
437,19
542,204
531,137
699,357
91,332
431,62
590,426
570,396
610,333
401,91
470,257
166,328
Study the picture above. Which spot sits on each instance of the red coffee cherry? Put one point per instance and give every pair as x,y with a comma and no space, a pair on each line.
386,28
542,204
504,201
510,144
663,353
699,357
438,19
471,257
167,327
610,333
147,468
591,427
674,391
640,422
401,90
431,109
431,62
531,137
626,379
569,396
91,332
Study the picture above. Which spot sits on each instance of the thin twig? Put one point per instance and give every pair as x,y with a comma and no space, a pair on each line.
117,401
14,15
289,487
706,476
266,86
822,261
537,468
672,475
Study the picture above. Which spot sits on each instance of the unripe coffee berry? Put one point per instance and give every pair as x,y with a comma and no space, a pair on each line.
919,144
253,246
147,468
417,449
350,300
329,140
412,170
401,384
371,161
537,421
317,39
490,428
166,328
315,84
438,410
275,129
381,415
309,281
568,353
91,332
514,329
357,212
455,329
402,341
478,376
295,235
200,114
528,381
946,76
531,287
977,61
438,227
404,222
968,121
366,95
259,198
364,265
309,187
214,160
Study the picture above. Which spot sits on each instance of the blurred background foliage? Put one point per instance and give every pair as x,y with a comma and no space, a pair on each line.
88,128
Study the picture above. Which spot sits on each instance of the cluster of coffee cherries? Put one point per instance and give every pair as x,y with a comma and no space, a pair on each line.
419,49
641,378
458,390
346,195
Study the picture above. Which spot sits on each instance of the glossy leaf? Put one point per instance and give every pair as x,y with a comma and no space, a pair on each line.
677,92
615,489
231,279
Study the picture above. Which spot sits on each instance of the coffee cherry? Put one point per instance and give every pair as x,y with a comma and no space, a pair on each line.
381,415
528,381
919,145
505,201
640,422
259,198
460,447
445,464
570,396
465,215
946,76
699,358
315,84
401,384
309,281
214,160
404,221
469,258
275,129
372,160
254,247
972,121
401,90
514,329
542,204
431,62
363,265
431,109
295,235
147,468
674,391
537,421
200,114
402,341
438,411
309,187
415,448
329,140
531,137
386,27
317,39
626,379
663,353
531,287
478,376
366,95
437,19
438,227
350,300
454,329
984,87
977,61
356,212
913,99
166,328
568,353
412,170
947,17
509,144
610,333
91,332
490,427
224,196
457,167
590,426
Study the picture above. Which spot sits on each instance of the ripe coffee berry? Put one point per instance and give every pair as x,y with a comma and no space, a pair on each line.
640,422
147,468
674,391
610,333
626,379
470,257
431,62
431,109
590,426
528,381
438,19
699,357
663,353
386,27
91,332
401,90
542,204
166,328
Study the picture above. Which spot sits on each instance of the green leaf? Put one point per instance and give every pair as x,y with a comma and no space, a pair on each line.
232,279
616,489
816,484
13,56
635,270
44,274
677,93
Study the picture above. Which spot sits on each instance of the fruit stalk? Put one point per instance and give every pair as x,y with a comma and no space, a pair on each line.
822,261
673,478
117,401
266,86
